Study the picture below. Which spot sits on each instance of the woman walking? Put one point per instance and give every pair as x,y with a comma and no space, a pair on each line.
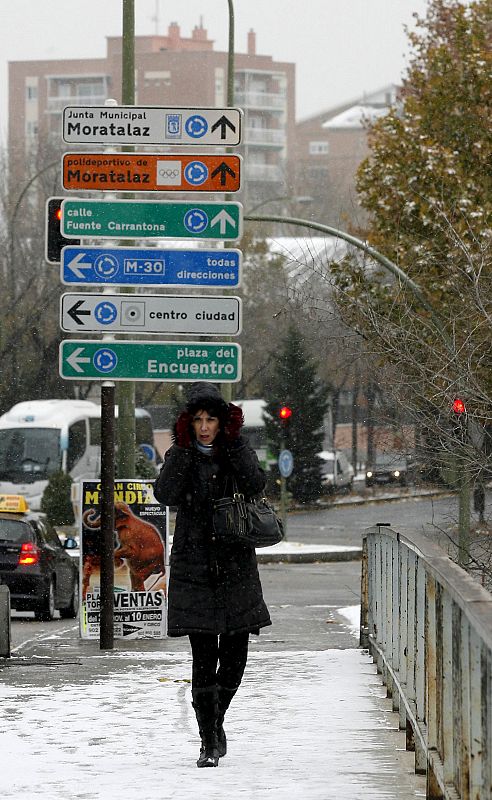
215,594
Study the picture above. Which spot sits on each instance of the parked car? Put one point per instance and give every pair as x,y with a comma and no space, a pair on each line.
34,564
389,468
336,471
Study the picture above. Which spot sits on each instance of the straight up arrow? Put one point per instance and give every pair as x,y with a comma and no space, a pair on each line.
223,122
223,218
223,169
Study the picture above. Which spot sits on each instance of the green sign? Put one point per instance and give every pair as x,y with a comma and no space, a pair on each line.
144,219
150,361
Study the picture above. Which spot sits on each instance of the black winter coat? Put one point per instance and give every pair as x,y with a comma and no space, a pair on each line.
214,585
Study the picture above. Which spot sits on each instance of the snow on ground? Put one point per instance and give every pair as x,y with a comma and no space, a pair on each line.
304,724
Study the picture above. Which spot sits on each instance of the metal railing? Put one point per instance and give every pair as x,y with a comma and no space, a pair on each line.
263,172
428,625
266,136
260,100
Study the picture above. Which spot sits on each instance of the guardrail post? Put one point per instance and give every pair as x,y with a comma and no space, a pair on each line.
4,622
364,598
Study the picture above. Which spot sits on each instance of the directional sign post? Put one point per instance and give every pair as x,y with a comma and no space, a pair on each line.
152,361
151,125
146,313
144,172
134,266
137,219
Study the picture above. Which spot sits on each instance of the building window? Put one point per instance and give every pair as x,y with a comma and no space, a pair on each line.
64,89
219,86
31,129
31,92
157,78
318,148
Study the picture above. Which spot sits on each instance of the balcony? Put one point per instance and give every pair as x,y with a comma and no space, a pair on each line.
55,105
263,172
263,100
270,137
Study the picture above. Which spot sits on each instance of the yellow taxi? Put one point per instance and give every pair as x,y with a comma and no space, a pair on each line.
34,564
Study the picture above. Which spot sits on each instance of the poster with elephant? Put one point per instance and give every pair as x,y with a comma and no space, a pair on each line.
140,561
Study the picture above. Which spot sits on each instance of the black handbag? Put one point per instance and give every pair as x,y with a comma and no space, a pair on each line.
251,521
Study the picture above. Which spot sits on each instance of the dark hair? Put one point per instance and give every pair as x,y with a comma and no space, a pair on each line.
206,397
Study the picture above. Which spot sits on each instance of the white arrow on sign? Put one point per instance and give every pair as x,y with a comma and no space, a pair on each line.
74,359
223,218
77,265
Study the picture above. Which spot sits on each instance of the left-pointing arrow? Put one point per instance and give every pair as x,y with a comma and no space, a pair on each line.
75,312
75,359
77,265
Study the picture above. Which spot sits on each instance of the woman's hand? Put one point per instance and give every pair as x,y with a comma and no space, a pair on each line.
233,424
182,429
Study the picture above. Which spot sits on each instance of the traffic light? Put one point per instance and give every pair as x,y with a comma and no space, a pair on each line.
459,406
285,414
460,421
54,241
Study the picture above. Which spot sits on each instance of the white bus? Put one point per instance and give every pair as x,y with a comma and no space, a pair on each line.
39,437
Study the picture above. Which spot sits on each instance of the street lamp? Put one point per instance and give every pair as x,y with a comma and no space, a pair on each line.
293,199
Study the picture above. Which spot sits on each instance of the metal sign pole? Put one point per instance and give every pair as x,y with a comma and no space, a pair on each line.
106,633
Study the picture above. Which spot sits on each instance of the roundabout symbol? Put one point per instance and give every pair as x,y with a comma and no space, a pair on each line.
105,313
106,265
105,360
195,220
196,173
196,126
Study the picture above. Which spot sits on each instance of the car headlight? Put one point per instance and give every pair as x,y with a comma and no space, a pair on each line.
369,474
396,473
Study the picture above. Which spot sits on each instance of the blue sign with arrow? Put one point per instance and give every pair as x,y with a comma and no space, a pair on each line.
134,266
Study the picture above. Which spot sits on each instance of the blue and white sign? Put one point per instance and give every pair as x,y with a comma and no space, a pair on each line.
134,266
151,125
285,463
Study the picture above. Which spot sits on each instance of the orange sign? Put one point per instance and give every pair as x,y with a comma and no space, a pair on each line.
141,172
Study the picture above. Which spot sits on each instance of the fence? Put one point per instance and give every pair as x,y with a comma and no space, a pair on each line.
428,626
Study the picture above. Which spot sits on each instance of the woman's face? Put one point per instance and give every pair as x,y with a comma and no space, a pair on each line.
206,427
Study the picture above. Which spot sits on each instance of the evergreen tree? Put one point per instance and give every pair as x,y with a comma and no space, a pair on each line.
294,383
56,501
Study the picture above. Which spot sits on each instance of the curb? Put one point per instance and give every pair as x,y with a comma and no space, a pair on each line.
356,501
309,558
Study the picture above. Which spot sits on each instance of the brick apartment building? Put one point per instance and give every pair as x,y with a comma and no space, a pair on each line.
170,70
329,148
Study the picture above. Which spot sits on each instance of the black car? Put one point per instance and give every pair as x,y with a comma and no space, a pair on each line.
36,567
389,468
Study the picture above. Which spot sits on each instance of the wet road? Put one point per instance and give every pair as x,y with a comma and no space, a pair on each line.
345,524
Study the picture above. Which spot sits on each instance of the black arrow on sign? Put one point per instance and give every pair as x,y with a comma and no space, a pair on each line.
75,313
223,169
223,122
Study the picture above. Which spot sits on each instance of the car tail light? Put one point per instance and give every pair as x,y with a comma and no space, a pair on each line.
29,554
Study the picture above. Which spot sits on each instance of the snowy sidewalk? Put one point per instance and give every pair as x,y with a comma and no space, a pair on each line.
119,724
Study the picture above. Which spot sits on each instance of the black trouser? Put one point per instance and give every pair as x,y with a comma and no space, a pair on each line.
228,651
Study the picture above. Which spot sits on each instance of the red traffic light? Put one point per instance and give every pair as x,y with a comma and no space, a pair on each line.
285,413
459,406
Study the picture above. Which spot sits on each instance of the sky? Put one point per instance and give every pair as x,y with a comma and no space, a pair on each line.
342,48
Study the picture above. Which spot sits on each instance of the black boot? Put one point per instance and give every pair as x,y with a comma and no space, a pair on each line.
206,710
225,697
